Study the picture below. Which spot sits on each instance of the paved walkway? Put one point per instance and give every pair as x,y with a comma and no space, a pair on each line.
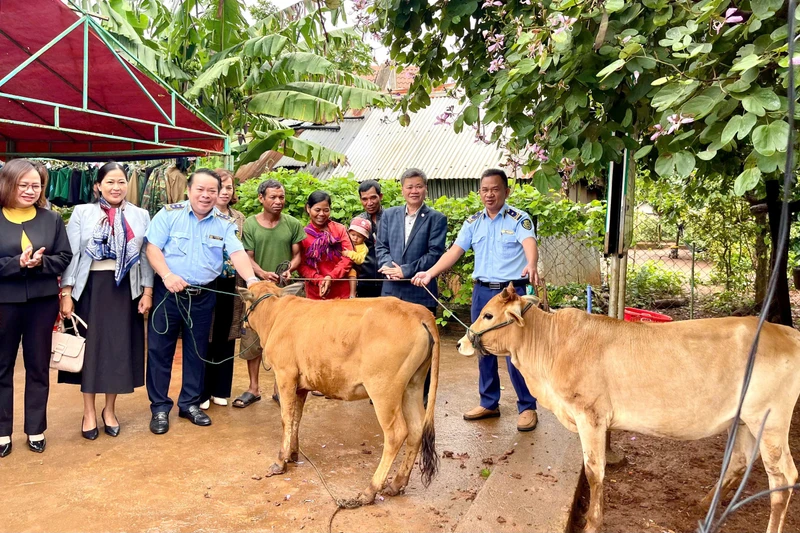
210,479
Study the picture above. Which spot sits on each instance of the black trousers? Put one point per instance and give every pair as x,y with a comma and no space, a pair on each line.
32,322
166,323
369,289
219,375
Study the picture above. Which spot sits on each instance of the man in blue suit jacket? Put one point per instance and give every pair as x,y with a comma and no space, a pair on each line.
410,239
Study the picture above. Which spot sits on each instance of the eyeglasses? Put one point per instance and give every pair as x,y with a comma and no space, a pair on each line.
32,186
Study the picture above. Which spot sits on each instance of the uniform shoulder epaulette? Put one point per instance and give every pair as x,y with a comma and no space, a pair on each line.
474,217
225,217
173,207
513,213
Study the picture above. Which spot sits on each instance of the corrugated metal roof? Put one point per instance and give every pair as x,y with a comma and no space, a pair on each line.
378,147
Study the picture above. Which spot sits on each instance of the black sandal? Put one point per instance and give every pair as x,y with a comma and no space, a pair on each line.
245,399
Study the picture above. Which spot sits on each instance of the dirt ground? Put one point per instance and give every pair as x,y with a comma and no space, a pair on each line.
197,479
659,486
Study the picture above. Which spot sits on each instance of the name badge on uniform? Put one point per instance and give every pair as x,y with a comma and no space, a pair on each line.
506,232
216,237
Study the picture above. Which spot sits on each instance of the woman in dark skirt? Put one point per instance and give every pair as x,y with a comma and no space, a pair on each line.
112,282
227,322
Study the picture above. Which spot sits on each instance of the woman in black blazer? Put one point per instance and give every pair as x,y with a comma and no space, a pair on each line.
34,251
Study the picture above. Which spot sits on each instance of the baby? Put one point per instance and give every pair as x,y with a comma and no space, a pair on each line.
359,231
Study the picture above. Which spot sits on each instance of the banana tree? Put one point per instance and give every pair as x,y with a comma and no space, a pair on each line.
282,68
147,30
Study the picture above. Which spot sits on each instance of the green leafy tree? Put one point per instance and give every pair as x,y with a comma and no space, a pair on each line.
282,68
261,9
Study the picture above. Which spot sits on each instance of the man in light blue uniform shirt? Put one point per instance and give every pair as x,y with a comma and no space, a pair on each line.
185,242
505,252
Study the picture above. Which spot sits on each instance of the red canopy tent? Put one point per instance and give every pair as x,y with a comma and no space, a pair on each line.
67,92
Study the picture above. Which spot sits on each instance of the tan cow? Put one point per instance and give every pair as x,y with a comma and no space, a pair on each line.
680,380
378,348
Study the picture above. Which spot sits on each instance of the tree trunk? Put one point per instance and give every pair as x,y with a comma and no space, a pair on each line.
762,258
780,311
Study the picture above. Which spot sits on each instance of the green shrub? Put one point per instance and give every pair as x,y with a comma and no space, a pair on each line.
573,295
726,302
555,214
651,281
298,185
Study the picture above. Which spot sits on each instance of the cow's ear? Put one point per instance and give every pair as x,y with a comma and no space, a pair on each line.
246,295
292,290
514,312
509,293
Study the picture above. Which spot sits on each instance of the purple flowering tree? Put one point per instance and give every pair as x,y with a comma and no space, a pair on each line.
693,88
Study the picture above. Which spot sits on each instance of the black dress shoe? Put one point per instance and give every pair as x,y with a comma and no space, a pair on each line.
195,416
111,431
159,424
37,446
91,434
5,449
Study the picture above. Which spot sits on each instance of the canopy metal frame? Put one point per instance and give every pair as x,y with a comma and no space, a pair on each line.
84,23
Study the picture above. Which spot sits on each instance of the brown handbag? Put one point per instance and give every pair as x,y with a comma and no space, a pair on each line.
67,351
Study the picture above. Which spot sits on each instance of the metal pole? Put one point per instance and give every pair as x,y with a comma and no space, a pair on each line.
228,159
623,277
612,289
86,63
589,299
42,50
691,285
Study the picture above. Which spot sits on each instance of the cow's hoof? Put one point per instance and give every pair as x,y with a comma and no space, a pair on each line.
275,470
365,499
352,503
391,490
294,457
590,527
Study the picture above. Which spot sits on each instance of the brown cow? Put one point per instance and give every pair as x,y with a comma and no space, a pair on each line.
378,348
680,380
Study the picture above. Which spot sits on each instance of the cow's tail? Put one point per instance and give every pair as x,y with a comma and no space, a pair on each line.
429,463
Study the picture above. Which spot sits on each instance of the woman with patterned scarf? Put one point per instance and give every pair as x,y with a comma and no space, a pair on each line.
112,282
322,258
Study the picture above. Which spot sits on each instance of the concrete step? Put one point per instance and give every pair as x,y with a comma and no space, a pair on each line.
535,488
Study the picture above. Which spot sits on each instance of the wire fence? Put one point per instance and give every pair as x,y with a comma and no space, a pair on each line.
684,269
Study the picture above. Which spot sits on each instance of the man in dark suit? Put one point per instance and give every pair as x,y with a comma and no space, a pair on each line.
411,238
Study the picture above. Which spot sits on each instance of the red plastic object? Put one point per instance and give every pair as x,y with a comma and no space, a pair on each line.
640,315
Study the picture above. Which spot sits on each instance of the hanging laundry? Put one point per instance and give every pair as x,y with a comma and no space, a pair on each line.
75,180
176,185
133,186
155,193
148,171
60,179
87,185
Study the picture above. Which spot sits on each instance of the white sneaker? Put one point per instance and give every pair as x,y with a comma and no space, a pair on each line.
219,401
205,405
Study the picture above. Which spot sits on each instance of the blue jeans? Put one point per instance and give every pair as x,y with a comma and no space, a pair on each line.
168,320
489,382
